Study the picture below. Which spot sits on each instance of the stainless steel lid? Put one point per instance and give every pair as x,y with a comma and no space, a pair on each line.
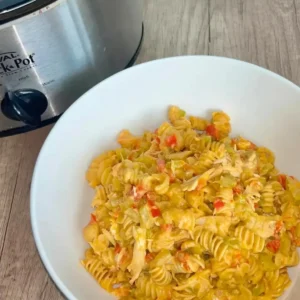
13,9
7,5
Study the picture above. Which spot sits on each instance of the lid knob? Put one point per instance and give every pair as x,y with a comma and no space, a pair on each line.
25,105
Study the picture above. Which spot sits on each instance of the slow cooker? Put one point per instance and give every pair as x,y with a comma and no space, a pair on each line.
51,52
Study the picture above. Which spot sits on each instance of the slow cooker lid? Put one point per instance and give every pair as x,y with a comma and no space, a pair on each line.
13,9
7,5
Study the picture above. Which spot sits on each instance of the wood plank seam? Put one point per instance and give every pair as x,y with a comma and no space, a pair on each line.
295,7
11,206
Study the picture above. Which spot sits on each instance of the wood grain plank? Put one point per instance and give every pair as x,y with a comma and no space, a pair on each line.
22,275
10,158
176,27
261,32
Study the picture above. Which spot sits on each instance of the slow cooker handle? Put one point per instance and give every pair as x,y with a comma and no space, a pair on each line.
25,105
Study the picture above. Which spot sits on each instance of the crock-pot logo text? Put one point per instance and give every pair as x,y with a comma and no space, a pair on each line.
11,62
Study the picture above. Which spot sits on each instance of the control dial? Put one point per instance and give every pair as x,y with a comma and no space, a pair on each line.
25,105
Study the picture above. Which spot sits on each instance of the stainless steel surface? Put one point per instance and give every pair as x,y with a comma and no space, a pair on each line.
68,49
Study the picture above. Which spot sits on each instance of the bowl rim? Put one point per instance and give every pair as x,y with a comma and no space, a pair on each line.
33,201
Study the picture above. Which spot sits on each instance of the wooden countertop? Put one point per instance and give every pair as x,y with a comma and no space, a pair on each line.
264,32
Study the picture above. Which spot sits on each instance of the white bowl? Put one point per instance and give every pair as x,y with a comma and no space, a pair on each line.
263,106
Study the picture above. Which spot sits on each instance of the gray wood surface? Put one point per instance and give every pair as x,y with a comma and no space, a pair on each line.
264,32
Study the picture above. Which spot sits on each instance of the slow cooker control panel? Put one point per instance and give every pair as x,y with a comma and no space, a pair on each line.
25,105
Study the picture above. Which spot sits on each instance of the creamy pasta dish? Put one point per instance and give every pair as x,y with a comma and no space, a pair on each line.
187,212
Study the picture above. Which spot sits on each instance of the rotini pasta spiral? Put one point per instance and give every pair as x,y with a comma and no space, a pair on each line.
267,199
161,276
106,177
187,212
100,197
255,273
249,240
198,123
214,244
205,162
189,137
175,113
221,121
162,183
218,267
218,148
104,277
168,134
200,144
276,282
146,288
98,165
126,233
225,196
182,124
